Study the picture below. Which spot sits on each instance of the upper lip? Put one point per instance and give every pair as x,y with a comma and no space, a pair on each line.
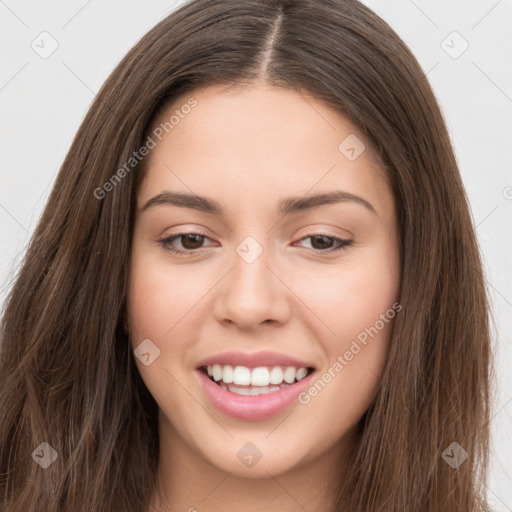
254,360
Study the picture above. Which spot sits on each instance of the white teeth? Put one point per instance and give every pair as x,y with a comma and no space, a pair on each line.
301,373
242,375
289,375
253,391
217,372
276,375
228,374
261,377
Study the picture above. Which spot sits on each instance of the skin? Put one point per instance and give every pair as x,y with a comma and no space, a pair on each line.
249,148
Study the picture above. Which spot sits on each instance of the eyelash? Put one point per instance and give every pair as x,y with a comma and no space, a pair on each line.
165,243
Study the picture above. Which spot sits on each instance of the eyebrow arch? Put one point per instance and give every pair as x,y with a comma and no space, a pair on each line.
288,206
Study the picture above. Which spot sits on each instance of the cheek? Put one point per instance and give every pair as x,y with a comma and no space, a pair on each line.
157,299
357,301
159,295
362,308
351,297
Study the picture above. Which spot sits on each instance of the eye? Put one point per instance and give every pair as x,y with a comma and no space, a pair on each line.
326,240
192,243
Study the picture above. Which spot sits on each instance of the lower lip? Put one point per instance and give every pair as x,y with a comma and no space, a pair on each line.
255,407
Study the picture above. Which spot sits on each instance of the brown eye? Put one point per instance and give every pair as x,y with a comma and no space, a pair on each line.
191,243
324,243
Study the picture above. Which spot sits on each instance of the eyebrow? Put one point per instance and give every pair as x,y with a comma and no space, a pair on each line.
288,206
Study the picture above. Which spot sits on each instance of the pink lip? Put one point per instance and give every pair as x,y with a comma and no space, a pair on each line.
254,360
256,407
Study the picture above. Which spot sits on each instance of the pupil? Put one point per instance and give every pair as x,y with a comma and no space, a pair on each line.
189,237
326,240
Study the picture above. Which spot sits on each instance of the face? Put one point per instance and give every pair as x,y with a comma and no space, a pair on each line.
287,301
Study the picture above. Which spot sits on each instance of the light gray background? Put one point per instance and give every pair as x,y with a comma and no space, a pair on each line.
43,101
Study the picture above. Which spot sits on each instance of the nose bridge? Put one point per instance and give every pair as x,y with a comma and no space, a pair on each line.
252,293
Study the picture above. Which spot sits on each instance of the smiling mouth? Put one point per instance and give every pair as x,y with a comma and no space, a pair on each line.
261,380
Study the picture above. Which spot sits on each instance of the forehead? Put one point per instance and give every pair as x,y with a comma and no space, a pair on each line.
255,114
258,140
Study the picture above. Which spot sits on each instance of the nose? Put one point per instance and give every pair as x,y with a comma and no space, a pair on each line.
252,293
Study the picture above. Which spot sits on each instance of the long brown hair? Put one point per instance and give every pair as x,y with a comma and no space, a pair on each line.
68,377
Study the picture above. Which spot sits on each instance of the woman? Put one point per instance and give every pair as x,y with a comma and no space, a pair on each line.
322,345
